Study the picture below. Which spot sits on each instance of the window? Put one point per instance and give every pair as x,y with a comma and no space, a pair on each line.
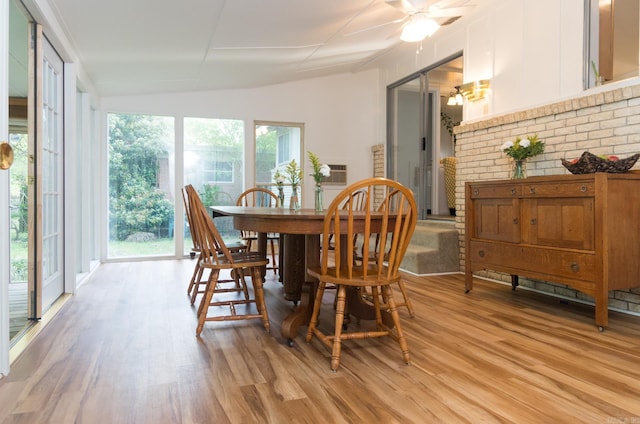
277,144
215,172
613,40
141,190
283,148
213,164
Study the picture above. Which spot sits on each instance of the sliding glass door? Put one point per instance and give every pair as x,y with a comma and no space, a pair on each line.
21,306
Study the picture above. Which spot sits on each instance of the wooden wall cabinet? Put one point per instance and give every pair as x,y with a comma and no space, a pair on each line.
578,230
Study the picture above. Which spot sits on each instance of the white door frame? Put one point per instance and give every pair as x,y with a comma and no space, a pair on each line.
4,192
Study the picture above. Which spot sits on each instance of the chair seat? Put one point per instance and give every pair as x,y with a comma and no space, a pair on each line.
357,280
236,246
240,260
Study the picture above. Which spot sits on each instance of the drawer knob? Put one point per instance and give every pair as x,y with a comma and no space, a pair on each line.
481,253
513,191
583,188
532,190
534,221
515,221
475,192
575,267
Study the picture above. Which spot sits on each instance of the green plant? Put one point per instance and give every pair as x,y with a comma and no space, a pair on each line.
294,172
320,170
449,124
521,149
595,70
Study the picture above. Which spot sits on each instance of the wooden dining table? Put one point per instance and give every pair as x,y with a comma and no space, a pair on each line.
300,249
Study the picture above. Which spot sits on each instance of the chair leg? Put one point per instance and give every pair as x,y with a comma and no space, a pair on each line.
407,301
256,279
237,274
273,257
395,316
337,338
192,283
197,284
316,311
206,299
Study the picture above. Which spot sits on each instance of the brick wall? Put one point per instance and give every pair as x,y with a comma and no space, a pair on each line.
378,152
606,122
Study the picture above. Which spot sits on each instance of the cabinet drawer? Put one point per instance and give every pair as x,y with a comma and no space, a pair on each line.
564,189
534,260
490,191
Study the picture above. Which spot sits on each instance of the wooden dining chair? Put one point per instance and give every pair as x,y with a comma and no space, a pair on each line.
394,218
260,197
197,283
216,257
358,201
374,250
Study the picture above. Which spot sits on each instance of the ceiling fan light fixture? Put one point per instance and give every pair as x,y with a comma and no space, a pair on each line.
418,28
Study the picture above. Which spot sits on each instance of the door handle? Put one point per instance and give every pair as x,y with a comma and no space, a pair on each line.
6,155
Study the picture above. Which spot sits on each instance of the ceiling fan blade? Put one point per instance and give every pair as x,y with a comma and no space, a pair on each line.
405,5
436,12
371,28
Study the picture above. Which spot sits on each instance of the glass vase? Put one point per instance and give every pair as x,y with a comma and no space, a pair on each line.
281,197
294,202
318,198
519,170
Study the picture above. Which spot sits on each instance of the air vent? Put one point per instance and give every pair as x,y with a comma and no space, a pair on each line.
338,175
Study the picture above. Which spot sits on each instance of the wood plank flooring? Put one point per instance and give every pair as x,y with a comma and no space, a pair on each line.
123,350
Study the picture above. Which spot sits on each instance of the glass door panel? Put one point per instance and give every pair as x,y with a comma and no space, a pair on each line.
214,165
277,144
51,150
410,143
20,306
141,185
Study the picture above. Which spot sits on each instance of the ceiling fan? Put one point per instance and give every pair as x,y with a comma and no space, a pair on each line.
425,17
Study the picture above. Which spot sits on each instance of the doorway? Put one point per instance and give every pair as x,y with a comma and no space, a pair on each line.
36,190
21,309
420,133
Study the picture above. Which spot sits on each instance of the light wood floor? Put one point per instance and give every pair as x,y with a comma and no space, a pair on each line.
123,350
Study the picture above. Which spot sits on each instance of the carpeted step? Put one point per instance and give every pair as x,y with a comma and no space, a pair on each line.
434,248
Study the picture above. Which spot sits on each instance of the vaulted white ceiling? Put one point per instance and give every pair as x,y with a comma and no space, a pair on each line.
150,46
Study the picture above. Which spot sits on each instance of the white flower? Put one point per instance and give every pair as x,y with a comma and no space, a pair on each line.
507,145
325,170
525,143
281,179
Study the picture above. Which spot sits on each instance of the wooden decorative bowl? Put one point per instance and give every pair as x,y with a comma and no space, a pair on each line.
590,163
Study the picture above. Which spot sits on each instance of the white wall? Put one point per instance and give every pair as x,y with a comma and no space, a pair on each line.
532,51
342,114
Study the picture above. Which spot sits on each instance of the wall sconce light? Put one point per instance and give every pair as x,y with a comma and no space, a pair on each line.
475,90
455,99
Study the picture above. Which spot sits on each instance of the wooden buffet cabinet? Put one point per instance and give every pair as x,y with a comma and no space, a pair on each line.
578,230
